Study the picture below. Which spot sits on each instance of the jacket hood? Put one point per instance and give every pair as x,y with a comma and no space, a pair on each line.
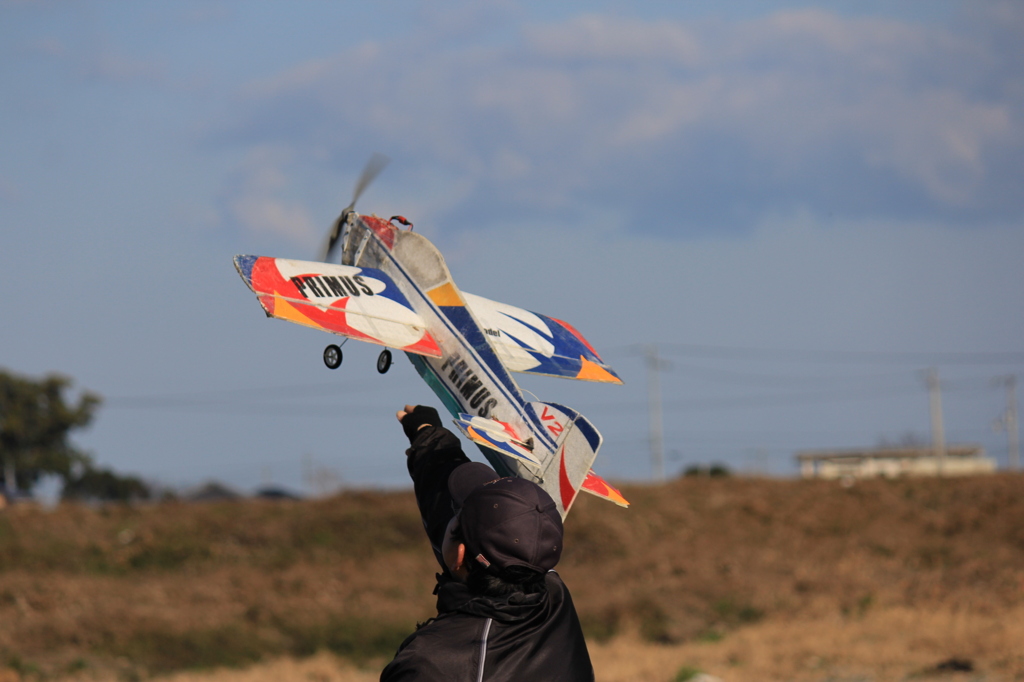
453,596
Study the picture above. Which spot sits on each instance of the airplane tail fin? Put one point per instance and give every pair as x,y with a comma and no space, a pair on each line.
576,445
559,463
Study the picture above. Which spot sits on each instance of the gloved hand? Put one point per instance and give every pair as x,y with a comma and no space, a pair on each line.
413,418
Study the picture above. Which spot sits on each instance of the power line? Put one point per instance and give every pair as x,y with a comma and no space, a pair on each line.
281,400
734,377
771,400
255,410
817,356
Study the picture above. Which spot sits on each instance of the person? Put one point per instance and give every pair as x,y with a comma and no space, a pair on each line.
503,613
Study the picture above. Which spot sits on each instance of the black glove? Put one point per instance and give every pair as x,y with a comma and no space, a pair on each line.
421,415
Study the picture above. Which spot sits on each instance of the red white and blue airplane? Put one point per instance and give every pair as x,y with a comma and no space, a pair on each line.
392,288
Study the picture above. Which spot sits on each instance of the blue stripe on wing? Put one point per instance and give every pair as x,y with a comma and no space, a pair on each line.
568,349
391,290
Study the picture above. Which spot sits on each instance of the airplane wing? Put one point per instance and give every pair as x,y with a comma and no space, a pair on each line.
595,485
358,303
499,436
538,344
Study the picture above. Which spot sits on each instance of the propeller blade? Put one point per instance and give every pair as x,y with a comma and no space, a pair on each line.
324,253
372,169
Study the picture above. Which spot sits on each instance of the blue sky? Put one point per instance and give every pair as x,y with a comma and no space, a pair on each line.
804,205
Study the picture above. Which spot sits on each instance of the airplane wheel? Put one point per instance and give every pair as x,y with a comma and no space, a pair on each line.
384,361
332,356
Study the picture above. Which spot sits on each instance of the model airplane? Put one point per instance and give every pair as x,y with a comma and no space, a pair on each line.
392,288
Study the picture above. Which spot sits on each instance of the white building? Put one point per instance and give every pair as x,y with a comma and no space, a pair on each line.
959,460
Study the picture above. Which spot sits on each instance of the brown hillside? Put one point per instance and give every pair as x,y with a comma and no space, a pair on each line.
748,578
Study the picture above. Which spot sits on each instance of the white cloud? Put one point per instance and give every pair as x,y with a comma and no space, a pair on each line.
258,199
799,281
864,116
615,39
947,157
815,33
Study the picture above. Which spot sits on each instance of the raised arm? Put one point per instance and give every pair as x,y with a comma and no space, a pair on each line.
434,453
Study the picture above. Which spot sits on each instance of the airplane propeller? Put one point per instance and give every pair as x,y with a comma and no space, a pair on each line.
373,168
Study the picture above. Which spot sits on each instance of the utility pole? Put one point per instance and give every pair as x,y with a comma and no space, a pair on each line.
10,477
1009,420
938,435
655,365
10,482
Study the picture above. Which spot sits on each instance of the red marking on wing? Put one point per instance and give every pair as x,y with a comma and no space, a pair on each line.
600,487
565,488
268,304
267,278
574,332
595,483
269,283
426,344
508,429
337,321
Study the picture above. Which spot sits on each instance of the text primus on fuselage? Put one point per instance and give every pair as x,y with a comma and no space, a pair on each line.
469,385
331,286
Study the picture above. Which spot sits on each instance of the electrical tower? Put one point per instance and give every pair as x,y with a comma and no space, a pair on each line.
1009,420
938,434
657,436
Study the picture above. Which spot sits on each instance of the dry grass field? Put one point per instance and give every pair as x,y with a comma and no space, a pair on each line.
743,579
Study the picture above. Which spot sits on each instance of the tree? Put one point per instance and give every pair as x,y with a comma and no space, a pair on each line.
715,470
104,484
35,421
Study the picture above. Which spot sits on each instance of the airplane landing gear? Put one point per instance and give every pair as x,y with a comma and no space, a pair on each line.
332,356
384,361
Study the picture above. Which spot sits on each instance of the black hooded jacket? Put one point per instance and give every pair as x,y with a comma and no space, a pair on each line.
534,637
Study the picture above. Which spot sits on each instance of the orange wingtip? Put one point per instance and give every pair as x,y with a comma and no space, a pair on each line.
595,485
591,371
283,310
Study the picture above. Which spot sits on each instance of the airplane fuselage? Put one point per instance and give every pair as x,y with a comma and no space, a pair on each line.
469,378
393,288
